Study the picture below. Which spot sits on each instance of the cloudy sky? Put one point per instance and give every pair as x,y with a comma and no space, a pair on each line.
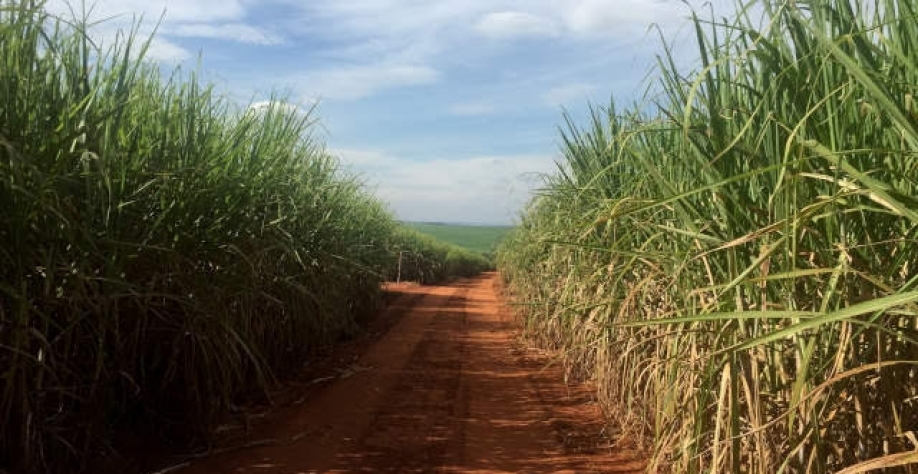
448,108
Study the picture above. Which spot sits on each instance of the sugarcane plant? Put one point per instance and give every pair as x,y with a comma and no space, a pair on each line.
733,258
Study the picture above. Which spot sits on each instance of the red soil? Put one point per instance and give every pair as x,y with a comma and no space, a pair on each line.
446,387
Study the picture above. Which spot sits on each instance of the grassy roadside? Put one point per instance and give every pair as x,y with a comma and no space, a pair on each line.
735,262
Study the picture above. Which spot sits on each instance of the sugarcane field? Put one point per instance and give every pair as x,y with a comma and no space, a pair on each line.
487,236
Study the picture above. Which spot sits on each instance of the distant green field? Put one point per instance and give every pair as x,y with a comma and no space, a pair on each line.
472,237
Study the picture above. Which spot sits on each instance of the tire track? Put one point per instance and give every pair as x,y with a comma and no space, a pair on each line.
416,424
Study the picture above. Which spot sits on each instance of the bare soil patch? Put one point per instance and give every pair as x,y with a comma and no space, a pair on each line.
444,386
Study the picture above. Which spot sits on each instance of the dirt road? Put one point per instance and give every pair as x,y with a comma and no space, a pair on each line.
446,389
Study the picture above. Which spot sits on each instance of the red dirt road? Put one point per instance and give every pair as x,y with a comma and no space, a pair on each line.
447,389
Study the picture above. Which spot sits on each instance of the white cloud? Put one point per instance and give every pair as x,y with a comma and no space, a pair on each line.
568,94
483,189
513,24
440,22
198,11
218,19
285,107
357,82
166,51
471,109
239,32
367,47
388,18
620,16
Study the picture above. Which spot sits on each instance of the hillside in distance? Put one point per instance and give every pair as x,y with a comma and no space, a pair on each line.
480,238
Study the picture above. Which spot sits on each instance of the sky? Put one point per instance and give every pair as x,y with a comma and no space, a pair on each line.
449,110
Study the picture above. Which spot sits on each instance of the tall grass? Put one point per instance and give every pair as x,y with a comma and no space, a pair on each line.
162,251
735,261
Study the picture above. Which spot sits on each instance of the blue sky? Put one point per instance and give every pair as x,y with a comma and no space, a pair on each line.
447,109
